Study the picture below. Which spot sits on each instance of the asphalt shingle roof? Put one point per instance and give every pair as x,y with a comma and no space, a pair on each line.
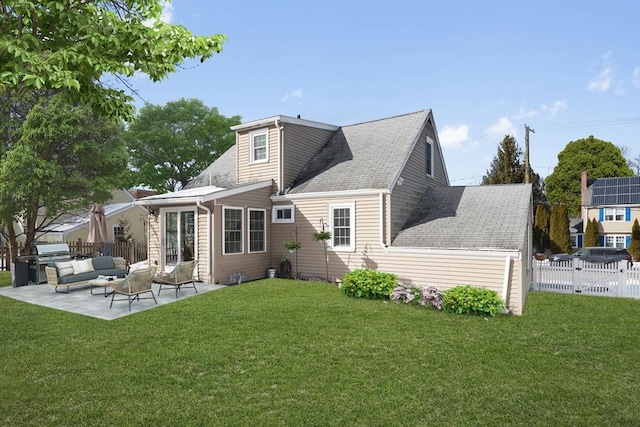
362,156
220,173
475,217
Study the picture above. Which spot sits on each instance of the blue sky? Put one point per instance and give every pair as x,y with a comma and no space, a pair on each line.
568,69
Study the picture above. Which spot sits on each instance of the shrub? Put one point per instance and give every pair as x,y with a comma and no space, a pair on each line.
467,299
429,296
367,283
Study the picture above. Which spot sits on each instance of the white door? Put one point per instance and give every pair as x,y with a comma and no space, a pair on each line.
179,236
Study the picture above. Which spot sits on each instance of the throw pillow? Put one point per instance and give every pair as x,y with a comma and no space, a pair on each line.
64,268
82,266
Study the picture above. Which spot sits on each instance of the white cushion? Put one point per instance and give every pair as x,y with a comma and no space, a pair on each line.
64,268
82,266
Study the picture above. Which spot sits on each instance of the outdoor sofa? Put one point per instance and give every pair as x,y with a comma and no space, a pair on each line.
77,272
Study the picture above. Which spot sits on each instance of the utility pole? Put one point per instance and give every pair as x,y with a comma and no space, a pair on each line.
526,153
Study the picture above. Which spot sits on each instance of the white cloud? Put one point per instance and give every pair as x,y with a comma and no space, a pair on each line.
503,126
294,94
555,108
452,137
635,77
602,82
523,114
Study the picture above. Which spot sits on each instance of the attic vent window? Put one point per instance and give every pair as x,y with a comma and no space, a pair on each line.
429,156
259,146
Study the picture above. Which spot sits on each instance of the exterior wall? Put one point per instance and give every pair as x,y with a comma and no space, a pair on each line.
203,247
136,216
253,265
613,227
300,145
251,172
154,239
413,266
415,180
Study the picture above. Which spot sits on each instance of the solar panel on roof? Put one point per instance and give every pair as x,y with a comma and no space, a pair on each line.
616,191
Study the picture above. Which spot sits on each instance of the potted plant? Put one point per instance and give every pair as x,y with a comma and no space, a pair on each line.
292,246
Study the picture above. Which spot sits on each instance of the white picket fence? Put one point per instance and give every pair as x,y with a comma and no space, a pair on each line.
579,277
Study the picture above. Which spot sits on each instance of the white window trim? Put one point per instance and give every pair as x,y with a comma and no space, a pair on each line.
615,237
614,213
252,151
224,220
430,142
274,214
264,232
352,232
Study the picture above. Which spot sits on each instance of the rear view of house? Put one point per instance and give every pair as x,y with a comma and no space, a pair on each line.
380,187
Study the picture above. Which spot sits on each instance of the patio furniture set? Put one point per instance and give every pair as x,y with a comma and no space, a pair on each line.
109,272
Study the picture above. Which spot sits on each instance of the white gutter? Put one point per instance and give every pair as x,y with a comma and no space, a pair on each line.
329,194
209,245
505,281
461,252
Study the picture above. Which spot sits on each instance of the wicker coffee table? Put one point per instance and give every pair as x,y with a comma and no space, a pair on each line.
104,281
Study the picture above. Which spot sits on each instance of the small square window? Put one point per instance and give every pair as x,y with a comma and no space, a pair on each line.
283,214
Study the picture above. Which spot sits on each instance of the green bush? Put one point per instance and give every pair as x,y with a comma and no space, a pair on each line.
467,299
366,283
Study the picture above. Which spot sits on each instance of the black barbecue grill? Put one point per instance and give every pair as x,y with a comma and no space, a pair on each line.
42,254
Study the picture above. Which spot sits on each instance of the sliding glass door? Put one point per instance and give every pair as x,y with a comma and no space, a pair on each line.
179,236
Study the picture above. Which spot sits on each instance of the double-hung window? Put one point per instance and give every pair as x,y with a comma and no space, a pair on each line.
257,230
232,235
342,226
259,146
614,214
613,241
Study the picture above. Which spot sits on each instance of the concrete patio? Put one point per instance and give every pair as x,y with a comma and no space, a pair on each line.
80,300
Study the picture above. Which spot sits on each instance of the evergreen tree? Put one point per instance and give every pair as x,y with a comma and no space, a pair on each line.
634,245
591,235
541,228
559,236
507,167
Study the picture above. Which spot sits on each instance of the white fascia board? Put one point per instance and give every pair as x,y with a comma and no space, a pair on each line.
168,202
454,252
236,190
329,194
283,119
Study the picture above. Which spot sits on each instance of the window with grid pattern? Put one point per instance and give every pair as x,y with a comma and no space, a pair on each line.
232,230
257,230
259,146
342,227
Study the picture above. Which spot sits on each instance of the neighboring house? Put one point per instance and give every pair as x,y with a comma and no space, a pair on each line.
118,210
380,187
615,204
576,232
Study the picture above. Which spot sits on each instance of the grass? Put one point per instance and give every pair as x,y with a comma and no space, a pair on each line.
278,352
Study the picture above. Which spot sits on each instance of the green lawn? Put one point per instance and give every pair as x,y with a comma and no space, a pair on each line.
278,352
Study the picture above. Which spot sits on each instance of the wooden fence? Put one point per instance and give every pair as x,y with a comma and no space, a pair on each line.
132,251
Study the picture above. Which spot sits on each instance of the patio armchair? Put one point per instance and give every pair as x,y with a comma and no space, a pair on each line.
181,276
138,282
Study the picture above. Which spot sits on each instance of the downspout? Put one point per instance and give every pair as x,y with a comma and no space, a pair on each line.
280,172
382,221
209,245
505,282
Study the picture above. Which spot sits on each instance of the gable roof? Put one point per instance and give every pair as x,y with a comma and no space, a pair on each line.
474,217
614,191
362,156
77,221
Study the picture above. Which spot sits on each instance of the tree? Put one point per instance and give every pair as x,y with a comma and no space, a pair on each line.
65,159
634,245
68,45
541,228
591,235
600,159
170,145
508,168
559,236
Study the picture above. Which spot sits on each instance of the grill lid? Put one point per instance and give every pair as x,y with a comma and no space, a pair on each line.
50,248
